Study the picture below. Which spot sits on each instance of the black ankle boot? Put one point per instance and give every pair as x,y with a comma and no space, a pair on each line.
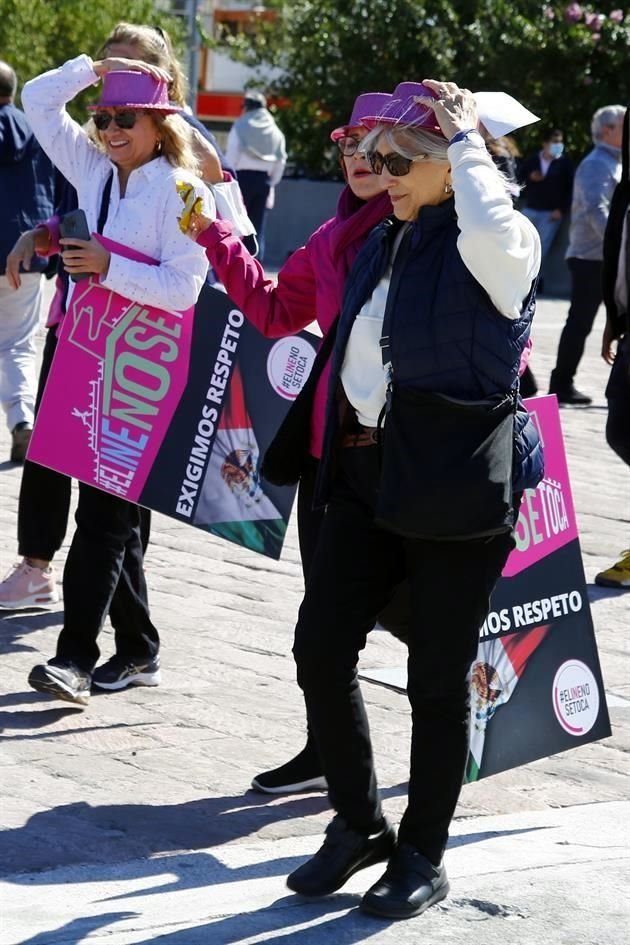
410,884
344,853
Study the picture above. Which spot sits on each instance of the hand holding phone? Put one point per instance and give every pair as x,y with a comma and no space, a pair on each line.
74,224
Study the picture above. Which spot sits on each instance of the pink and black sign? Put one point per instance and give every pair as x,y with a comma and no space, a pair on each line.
171,410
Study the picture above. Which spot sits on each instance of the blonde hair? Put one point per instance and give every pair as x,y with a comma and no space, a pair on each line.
177,141
155,47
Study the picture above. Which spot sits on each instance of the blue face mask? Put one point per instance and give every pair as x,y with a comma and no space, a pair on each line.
556,148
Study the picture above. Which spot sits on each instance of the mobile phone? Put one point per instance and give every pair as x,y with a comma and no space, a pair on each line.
75,224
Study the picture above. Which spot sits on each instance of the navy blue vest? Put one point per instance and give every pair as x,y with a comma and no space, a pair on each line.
446,335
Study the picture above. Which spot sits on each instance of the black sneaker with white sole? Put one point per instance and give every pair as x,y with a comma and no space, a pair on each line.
118,673
62,679
302,773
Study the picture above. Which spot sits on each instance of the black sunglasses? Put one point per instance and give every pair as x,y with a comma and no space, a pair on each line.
396,164
348,145
125,118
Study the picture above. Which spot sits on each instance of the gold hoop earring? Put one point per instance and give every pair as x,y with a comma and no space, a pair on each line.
448,188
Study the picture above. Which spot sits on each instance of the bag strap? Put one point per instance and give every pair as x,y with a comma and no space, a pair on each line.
102,216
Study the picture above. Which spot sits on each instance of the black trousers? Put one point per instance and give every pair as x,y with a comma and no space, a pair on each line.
586,297
44,502
354,574
104,573
618,395
255,187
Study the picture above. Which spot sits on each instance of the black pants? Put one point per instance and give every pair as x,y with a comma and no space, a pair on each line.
44,503
255,187
586,297
353,576
618,395
104,573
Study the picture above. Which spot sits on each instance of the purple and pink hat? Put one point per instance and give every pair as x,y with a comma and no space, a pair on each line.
368,103
134,90
498,112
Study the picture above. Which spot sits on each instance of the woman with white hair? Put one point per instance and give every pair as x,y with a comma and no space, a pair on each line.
426,453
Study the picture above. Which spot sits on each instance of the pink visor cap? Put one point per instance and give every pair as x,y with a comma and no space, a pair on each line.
498,112
368,103
134,90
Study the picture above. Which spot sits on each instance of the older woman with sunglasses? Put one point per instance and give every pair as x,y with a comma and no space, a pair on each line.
422,425
125,175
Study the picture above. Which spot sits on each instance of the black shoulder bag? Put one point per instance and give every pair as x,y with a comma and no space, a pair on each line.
446,464
287,454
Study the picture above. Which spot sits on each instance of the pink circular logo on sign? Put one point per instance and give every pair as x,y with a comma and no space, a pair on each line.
575,698
289,364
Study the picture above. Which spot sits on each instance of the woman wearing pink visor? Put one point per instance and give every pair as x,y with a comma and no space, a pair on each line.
309,287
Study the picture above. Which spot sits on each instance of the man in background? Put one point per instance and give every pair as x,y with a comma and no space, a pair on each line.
256,148
27,187
595,180
547,179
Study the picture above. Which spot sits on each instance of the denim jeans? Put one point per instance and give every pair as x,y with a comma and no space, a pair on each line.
547,228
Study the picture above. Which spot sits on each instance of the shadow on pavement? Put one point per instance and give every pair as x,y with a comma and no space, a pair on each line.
281,923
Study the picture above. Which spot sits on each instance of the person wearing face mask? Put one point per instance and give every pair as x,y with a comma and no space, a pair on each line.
595,180
547,179
426,452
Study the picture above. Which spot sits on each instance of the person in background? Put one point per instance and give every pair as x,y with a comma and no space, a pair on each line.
126,174
547,179
44,502
595,179
257,149
27,185
616,291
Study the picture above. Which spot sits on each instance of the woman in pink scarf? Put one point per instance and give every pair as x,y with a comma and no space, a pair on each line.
309,288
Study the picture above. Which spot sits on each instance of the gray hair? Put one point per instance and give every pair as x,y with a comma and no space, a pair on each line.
408,141
412,141
606,117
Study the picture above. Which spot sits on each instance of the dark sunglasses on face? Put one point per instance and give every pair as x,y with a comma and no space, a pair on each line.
125,118
348,145
396,164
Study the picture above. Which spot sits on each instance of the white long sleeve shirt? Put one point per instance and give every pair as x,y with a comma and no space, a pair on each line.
498,245
145,219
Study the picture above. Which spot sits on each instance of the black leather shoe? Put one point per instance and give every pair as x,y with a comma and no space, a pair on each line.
410,884
343,853
572,396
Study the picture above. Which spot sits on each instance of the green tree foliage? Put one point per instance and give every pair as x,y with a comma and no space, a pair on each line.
36,35
563,60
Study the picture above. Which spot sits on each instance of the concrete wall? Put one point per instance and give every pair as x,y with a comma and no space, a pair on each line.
303,205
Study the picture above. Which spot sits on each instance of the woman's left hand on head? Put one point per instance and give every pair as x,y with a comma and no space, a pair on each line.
84,256
455,109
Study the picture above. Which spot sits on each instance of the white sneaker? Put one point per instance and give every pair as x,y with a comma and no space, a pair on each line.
28,586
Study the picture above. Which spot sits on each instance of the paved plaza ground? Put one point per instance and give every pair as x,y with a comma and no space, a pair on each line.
131,822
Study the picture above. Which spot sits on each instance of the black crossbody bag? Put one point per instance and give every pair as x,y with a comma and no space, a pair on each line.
446,464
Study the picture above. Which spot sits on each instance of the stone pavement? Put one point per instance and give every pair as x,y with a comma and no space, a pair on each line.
131,822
